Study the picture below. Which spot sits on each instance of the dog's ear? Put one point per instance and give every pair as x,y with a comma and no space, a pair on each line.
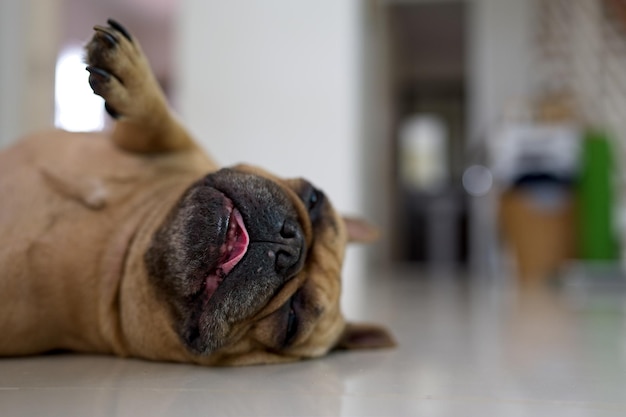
360,231
365,336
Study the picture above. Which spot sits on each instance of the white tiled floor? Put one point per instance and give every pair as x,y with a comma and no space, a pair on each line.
466,348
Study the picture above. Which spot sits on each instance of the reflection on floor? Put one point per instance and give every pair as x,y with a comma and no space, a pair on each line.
466,348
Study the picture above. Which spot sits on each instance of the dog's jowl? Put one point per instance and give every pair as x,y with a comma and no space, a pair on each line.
134,242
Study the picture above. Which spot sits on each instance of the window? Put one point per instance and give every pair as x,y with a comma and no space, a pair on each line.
77,108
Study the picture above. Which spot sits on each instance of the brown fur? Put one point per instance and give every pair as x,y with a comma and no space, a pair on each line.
88,225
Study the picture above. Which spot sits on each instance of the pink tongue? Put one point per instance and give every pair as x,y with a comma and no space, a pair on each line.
236,242
232,251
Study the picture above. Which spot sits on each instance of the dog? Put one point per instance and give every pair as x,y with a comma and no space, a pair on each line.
133,242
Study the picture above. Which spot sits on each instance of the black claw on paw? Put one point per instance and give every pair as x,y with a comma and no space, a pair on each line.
99,72
97,79
106,35
121,29
114,114
110,39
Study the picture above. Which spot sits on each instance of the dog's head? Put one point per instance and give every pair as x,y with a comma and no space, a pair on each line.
250,267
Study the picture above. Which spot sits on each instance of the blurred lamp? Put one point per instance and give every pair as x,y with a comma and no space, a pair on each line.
423,148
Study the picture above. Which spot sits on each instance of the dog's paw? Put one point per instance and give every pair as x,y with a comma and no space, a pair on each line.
118,70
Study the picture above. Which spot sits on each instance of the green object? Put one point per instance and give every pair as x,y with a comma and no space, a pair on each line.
596,199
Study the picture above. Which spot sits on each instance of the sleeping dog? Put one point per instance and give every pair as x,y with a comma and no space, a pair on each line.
133,242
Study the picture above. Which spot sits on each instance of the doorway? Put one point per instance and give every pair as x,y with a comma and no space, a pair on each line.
427,79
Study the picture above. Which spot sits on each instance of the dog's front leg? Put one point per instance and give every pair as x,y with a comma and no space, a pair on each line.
120,73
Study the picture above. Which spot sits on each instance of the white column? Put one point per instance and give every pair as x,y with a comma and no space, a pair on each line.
500,54
275,83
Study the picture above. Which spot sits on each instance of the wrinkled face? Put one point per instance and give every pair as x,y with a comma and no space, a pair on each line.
249,266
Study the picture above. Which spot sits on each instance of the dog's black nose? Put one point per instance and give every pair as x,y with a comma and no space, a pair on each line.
290,249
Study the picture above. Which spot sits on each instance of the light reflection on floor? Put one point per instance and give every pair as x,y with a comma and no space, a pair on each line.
466,348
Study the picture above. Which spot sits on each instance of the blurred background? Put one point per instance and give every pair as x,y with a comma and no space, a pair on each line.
483,136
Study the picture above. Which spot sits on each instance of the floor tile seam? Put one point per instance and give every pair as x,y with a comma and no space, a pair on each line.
587,405
312,393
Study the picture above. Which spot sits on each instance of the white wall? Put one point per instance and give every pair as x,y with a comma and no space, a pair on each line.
275,83
11,13
29,40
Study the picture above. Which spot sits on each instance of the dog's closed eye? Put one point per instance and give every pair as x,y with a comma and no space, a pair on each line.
292,324
313,199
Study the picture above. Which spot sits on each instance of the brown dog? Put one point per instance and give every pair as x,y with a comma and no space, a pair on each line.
134,243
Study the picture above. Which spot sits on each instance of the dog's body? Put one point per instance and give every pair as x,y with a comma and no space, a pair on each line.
134,242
